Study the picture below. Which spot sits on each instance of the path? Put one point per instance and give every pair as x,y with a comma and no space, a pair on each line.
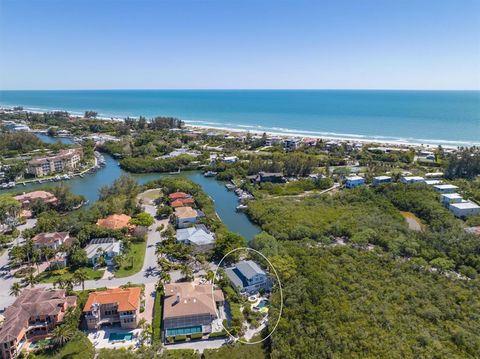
148,274
307,193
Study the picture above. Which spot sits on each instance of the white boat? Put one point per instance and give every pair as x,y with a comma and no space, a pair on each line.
230,186
241,207
210,174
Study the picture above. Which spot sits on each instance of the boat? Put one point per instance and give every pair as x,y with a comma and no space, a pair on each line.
230,186
241,207
175,172
210,174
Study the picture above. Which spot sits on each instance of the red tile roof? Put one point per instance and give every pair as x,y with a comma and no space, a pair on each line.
176,195
125,298
115,221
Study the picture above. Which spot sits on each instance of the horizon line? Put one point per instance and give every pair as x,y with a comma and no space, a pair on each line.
243,89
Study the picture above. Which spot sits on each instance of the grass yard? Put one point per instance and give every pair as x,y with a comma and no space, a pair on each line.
149,195
78,348
52,276
134,260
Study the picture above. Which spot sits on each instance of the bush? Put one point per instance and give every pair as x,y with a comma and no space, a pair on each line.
157,318
196,336
221,334
180,338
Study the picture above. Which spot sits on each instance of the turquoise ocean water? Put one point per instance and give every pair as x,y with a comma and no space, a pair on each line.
436,117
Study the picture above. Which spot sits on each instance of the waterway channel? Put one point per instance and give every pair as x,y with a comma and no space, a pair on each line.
88,186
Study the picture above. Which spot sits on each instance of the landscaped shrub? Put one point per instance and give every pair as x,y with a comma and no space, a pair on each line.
221,334
180,338
196,336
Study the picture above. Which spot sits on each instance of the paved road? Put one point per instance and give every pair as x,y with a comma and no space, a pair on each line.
148,274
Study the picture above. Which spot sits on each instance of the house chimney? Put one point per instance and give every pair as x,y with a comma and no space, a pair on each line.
178,298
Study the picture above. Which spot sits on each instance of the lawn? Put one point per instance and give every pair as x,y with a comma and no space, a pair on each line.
134,260
52,276
78,348
149,195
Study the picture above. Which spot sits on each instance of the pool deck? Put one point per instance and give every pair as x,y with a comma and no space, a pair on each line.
99,338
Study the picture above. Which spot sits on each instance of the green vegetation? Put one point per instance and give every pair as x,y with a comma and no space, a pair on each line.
157,317
132,262
79,347
63,275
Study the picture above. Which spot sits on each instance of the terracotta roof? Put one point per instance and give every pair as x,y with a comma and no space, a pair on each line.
50,238
63,154
194,299
32,302
115,221
30,196
185,212
177,195
126,298
181,202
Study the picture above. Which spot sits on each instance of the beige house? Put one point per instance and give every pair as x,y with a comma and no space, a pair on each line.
33,315
52,240
186,216
113,306
65,160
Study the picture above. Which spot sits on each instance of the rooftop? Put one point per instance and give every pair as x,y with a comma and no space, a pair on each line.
50,238
102,244
185,212
445,186
465,205
114,221
176,195
188,298
30,196
125,298
198,235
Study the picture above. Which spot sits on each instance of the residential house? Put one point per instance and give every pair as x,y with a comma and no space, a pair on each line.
381,180
230,159
108,248
185,216
274,177
248,277
182,202
16,127
354,181
464,209
26,199
291,143
52,240
65,160
178,195
113,306
115,221
190,308
33,315
199,237
448,198
445,188
432,182
412,179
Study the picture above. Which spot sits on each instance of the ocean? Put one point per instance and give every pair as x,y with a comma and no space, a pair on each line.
433,117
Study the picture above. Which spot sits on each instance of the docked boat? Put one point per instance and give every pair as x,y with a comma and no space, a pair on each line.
210,174
241,207
230,186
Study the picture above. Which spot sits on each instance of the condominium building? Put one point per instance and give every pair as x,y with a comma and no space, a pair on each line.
63,161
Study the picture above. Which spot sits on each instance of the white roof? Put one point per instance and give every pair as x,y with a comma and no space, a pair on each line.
432,182
354,178
382,178
445,186
465,205
451,195
198,235
413,178
434,174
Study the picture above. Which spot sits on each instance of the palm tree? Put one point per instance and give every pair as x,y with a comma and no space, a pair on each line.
80,276
186,271
61,334
58,282
68,284
15,289
31,280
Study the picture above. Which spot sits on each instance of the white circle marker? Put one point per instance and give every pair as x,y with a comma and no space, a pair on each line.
279,286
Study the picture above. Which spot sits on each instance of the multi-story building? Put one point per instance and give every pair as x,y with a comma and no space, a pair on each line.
52,240
190,308
65,160
248,277
113,306
33,315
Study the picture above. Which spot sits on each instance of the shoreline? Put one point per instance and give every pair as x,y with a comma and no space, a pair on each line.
349,138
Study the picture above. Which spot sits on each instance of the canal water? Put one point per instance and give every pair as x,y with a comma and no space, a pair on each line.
88,186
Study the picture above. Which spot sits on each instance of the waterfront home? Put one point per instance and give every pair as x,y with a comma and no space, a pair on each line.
199,237
378,180
185,216
115,221
412,179
230,159
432,182
247,277
26,199
59,260
33,315
434,174
291,143
354,181
65,160
445,188
273,141
115,306
448,198
108,248
178,195
15,127
52,240
274,177
464,209
188,308
182,202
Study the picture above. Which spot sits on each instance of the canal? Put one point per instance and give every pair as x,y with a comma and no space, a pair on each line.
88,186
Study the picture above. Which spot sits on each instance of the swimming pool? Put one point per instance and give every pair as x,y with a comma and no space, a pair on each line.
184,331
116,337
263,303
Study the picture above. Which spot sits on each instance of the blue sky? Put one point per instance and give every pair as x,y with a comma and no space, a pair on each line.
177,44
